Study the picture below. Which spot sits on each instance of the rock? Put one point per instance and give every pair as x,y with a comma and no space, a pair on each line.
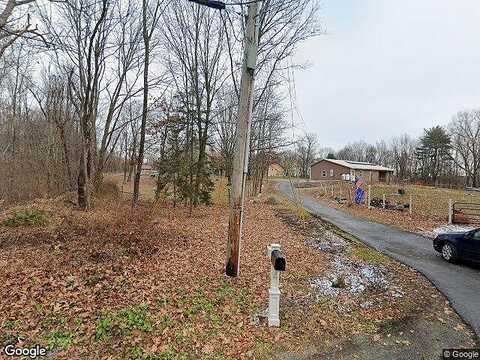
366,305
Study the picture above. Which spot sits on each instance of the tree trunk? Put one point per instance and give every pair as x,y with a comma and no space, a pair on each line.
83,196
141,150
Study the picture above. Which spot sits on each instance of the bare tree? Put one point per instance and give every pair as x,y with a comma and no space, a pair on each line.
306,151
56,106
123,84
226,127
267,137
283,26
193,42
403,156
465,132
150,17
15,23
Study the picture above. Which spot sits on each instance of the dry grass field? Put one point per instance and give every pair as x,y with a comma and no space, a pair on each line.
429,204
427,200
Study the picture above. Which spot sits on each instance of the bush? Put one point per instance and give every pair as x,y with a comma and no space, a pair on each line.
108,189
272,200
220,192
339,282
123,323
301,213
26,218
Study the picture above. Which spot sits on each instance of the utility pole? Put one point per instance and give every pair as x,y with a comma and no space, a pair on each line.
242,142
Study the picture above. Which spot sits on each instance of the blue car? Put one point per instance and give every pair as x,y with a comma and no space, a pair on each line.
459,245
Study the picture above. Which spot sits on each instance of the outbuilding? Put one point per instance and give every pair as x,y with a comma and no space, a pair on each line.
332,169
276,170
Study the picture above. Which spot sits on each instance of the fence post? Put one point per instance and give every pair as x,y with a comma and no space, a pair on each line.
383,204
410,205
332,190
450,211
369,196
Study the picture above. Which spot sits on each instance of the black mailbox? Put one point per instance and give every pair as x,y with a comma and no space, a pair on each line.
278,260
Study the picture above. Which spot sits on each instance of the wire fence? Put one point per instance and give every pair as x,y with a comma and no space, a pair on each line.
426,201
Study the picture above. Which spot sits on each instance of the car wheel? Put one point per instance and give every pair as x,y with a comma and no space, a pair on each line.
449,253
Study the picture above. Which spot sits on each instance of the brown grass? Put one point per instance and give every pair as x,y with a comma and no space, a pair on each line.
429,210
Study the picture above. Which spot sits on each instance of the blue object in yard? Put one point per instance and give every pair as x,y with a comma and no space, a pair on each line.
359,195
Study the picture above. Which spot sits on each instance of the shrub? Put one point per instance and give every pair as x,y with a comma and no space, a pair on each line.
220,192
339,282
27,217
108,189
123,323
301,213
59,339
271,200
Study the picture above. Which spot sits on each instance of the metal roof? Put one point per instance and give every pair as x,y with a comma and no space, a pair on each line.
355,165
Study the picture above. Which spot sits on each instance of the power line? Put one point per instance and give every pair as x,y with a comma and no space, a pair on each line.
243,3
219,5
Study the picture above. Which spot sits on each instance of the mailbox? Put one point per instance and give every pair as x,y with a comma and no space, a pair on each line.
278,260
274,253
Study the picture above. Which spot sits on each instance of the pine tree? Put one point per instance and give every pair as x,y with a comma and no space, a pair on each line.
434,153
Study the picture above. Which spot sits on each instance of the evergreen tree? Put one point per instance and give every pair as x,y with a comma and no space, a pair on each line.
434,153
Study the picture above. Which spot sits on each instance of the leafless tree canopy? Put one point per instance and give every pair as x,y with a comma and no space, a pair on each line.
93,86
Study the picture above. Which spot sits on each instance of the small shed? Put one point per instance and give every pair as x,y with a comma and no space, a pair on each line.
276,170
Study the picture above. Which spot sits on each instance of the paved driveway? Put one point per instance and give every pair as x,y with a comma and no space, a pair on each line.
459,283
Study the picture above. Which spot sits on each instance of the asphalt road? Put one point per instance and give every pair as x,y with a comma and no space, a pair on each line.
458,282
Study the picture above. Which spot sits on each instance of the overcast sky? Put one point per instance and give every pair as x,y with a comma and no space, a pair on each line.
386,67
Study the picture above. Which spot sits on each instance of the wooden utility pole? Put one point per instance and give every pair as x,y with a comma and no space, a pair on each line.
242,142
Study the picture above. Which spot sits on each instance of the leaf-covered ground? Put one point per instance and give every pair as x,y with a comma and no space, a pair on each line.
116,283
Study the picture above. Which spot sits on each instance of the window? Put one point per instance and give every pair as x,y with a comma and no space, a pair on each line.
331,172
476,235
324,173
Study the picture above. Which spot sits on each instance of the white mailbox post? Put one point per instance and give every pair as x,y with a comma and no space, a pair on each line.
274,253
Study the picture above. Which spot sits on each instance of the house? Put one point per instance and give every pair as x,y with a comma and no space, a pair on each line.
330,169
275,170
